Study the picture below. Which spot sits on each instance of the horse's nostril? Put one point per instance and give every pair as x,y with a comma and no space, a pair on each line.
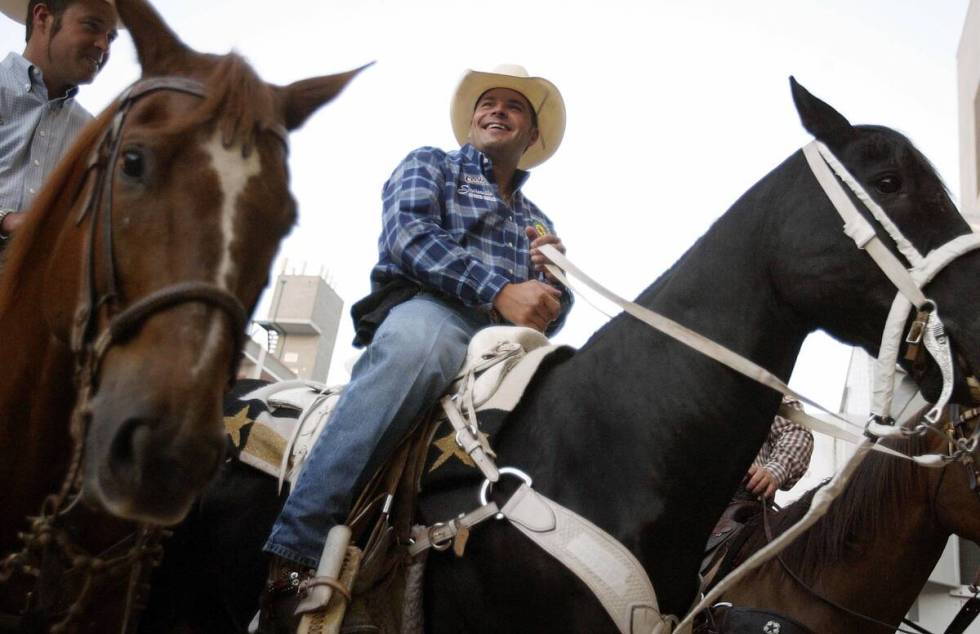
128,446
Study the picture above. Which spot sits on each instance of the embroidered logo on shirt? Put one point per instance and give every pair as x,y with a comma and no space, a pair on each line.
475,180
472,192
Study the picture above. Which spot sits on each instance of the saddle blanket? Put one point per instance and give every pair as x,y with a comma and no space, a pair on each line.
272,426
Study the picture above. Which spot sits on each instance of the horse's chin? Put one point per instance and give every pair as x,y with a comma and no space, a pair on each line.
134,509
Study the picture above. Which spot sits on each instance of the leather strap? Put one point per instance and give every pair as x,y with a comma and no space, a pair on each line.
469,439
607,567
680,333
441,535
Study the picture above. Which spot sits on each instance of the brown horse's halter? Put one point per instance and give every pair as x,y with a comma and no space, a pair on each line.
140,551
123,324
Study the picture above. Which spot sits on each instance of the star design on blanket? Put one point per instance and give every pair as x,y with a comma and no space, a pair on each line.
234,424
447,445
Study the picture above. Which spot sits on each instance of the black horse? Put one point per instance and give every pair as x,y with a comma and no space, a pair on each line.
648,439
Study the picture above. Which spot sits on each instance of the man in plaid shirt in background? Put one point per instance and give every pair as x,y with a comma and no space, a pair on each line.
781,462
458,252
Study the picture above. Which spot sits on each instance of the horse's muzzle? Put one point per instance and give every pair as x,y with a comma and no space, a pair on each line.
146,463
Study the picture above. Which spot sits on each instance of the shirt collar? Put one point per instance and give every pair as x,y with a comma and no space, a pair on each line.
486,166
29,77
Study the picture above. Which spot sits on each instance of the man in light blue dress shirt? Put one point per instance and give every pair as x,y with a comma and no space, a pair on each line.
67,45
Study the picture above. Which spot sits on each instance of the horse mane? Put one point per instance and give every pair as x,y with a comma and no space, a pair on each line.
866,508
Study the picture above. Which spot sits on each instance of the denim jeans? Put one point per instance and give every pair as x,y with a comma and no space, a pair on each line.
415,354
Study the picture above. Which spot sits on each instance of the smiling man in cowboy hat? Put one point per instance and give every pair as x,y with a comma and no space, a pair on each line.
67,45
458,252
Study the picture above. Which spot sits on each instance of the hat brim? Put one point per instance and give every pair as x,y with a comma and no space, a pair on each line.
16,10
541,93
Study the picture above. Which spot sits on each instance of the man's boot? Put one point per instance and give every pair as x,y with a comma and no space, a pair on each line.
281,595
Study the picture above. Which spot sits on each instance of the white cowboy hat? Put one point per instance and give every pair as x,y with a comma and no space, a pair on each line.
541,93
16,10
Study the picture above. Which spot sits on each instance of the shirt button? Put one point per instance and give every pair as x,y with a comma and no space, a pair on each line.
37,162
510,244
43,133
32,190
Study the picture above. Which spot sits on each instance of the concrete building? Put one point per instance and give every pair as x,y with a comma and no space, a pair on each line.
968,79
302,325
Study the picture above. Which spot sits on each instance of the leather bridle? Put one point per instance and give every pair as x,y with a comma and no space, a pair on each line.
88,347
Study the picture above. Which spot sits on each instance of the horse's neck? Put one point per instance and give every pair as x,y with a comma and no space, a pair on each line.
908,551
636,426
721,290
36,396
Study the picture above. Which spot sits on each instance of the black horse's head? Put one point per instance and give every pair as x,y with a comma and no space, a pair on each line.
829,281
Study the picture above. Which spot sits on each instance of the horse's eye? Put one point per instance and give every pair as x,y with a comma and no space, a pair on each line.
888,184
132,164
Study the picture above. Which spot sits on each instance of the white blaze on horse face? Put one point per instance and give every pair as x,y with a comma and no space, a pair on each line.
234,172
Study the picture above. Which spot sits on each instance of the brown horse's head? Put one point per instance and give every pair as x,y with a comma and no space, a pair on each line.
171,234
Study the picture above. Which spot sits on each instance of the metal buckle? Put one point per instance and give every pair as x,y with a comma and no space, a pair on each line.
439,544
487,485
918,326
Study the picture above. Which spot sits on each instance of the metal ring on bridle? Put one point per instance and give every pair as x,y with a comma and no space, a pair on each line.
487,485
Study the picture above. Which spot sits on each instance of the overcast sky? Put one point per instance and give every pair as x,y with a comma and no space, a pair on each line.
674,109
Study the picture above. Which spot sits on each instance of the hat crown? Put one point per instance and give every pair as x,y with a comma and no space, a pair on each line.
514,70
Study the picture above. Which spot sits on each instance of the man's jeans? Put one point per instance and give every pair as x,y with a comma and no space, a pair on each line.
412,360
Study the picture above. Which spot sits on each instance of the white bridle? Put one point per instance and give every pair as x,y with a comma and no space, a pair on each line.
927,327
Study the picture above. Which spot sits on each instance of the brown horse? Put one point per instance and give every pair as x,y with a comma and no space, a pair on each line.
873,551
123,301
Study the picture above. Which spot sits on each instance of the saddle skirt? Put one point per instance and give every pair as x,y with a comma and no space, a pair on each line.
285,419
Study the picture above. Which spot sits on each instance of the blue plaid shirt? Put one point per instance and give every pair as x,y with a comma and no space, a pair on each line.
446,226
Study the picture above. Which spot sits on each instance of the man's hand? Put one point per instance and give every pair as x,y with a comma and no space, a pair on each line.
760,482
531,303
538,258
11,222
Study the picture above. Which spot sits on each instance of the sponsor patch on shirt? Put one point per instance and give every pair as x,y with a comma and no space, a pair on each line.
474,192
475,179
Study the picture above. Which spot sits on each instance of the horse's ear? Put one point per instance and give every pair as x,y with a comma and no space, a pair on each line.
302,98
818,118
157,46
